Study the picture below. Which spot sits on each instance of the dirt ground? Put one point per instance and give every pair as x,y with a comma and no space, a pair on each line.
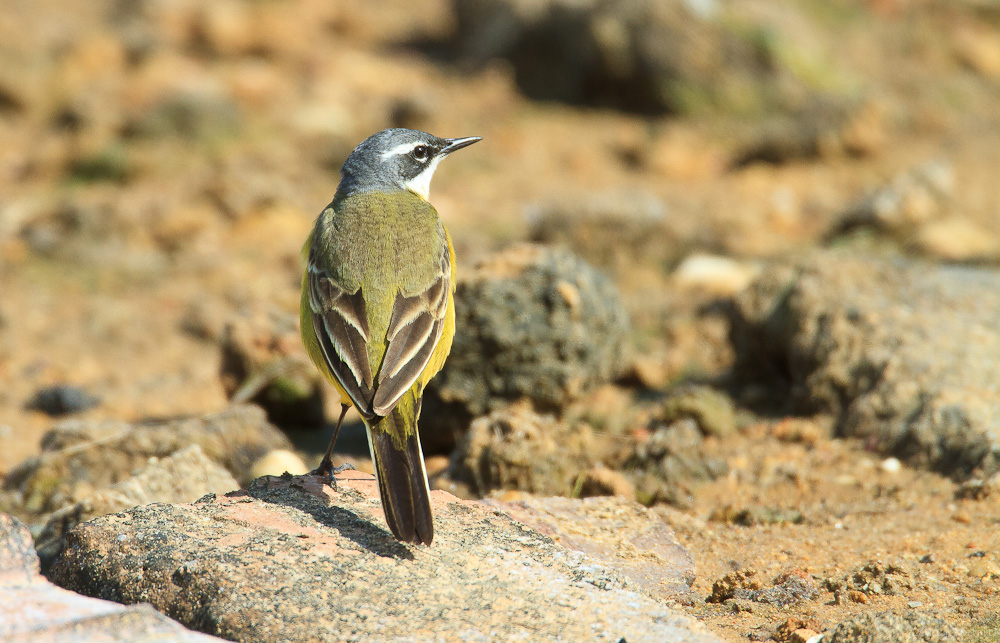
123,255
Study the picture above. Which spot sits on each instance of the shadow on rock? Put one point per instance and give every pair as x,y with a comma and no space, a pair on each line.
305,493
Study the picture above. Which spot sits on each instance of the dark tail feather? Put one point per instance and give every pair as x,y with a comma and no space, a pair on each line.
402,480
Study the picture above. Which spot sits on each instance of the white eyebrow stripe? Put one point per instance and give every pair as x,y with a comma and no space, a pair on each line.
402,148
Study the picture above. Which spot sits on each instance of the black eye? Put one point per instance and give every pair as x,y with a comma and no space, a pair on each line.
421,152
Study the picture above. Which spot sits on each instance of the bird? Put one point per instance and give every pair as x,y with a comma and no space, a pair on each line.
377,310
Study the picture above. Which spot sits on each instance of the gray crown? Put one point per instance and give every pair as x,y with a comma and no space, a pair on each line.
396,159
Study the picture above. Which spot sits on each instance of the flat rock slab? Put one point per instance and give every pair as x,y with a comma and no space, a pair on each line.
618,533
293,560
905,354
36,611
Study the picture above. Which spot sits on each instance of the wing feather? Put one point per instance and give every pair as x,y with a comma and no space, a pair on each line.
414,331
340,322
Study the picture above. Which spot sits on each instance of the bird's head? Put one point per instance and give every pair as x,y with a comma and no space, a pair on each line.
397,159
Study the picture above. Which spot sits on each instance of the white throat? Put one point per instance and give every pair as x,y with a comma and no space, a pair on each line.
421,183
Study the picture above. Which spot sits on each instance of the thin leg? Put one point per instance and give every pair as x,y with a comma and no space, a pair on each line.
326,467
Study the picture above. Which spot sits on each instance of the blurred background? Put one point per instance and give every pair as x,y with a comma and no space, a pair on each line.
162,161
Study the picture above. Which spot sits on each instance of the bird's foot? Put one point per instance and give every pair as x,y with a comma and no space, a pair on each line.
328,471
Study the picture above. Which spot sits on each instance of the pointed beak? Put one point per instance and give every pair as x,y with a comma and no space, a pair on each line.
459,143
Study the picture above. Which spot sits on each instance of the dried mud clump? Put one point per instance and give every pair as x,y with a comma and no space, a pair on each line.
787,589
890,627
516,448
669,461
532,322
874,579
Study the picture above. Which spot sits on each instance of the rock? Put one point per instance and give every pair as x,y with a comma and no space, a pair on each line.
277,462
956,239
825,127
891,627
33,610
978,489
712,410
757,515
715,275
516,448
726,587
672,458
803,635
790,588
612,231
533,322
873,579
263,362
602,481
295,560
647,56
904,354
183,476
796,627
79,457
620,534
911,198
62,399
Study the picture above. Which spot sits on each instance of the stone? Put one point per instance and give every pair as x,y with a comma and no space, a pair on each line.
264,362
669,460
956,238
645,56
79,457
532,322
913,197
620,534
277,462
712,274
33,610
516,448
904,354
712,410
295,560
910,626
183,476
62,399
824,127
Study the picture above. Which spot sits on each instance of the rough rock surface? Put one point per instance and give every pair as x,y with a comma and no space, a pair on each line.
515,448
533,322
620,534
292,559
905,355
670,460
910,626
32,610
79,457
184,476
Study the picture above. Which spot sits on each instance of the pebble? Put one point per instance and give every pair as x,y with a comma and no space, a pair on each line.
62,399
277,462
891,465
714,274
